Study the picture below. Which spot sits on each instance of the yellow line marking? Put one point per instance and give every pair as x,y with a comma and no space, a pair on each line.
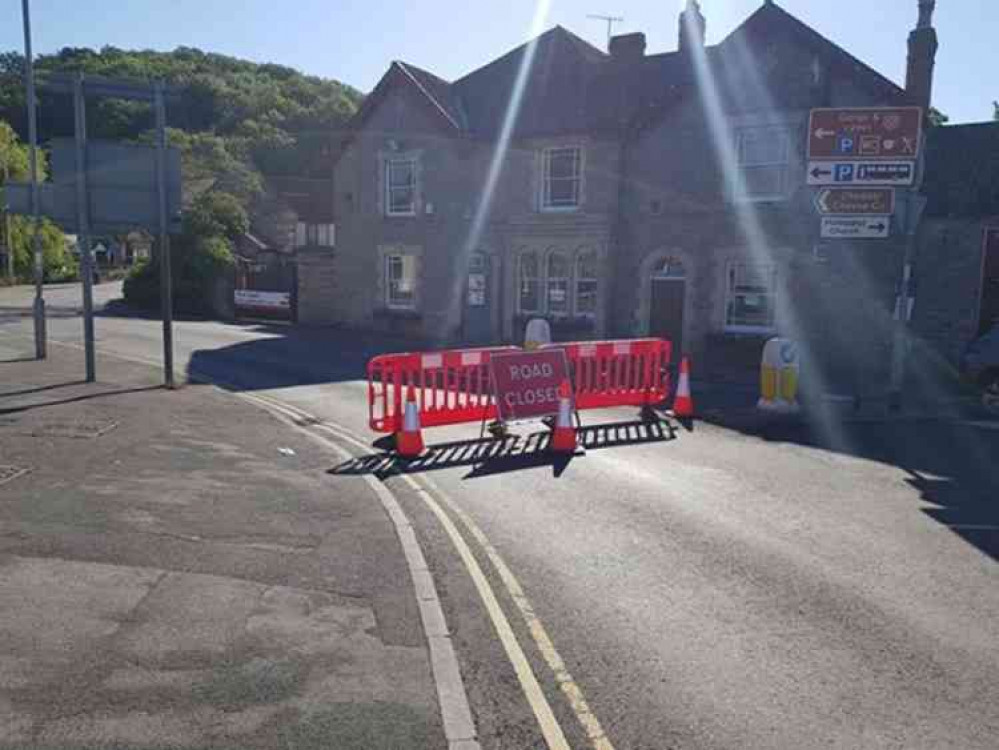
550,728
573,693
591,725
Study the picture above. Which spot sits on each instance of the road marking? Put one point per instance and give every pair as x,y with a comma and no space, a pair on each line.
574,694
550,728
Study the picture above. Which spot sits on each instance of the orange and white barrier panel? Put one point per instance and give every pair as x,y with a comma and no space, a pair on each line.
457,386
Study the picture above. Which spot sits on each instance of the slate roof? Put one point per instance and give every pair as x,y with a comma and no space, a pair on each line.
573,87
962,171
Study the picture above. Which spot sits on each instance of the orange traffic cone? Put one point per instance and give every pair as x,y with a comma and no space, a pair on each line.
564,434
409,442
683,404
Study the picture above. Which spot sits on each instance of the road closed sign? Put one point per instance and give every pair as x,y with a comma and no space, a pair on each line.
527,383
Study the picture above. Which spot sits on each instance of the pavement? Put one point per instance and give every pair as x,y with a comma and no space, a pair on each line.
177,569
717,587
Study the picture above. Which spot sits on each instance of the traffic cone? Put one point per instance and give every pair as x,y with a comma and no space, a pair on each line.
683,404
564,434
409,442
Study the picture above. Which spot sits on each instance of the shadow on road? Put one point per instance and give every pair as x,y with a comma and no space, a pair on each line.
39,389
488,456
286,356
74,399
954,466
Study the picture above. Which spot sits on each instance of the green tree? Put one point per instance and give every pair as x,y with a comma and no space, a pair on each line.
202,255
216,214
15,166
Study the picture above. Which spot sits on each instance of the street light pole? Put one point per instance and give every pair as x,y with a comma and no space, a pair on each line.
29,70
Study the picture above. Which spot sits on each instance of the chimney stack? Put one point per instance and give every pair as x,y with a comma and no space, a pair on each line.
922,57
692,26
627,47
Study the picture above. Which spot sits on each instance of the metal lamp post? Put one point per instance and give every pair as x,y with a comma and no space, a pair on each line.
29,69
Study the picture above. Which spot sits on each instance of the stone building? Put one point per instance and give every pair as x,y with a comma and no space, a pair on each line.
617,194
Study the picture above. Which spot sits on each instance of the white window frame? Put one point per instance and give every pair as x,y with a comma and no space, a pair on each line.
545,181
390,162
739,192
391,304
565,280
767,270
301,234
538,280
326,235
578,278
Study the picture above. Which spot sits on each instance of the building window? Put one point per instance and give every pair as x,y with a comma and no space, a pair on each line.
562,178
586,284
400,281
400,187
315,235
751,298
558,284
325,235
763,154
529,298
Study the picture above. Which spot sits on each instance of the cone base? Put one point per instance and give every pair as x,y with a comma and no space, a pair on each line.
683,407
409,444
563,440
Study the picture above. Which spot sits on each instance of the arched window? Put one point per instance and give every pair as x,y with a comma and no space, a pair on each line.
529,296
558,284
586,283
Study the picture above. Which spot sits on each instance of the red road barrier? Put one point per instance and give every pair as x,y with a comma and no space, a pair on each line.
455,386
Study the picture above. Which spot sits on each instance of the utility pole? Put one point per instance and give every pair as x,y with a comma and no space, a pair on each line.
611,20
166,284
29,74
83,224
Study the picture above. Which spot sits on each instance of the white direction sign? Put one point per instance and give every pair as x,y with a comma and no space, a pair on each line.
866,173
855,227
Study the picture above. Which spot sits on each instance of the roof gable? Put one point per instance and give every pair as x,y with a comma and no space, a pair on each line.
770,18
433,90
555,98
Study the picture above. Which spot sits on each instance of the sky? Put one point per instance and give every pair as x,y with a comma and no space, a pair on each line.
355,40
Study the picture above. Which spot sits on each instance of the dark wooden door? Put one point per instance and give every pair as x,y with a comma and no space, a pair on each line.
666,312
990,283
478,305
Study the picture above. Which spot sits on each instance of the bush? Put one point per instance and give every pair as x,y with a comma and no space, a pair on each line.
142,286
197,267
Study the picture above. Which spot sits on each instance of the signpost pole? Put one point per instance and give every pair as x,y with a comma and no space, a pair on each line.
166,285
912,214
83,224
39,265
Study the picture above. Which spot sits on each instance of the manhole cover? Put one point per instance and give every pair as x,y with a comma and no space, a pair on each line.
8,473
83,428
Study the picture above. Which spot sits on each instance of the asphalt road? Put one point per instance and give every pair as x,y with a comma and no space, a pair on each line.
720,589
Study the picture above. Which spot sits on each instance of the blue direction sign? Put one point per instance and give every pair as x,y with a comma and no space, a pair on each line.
861,173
